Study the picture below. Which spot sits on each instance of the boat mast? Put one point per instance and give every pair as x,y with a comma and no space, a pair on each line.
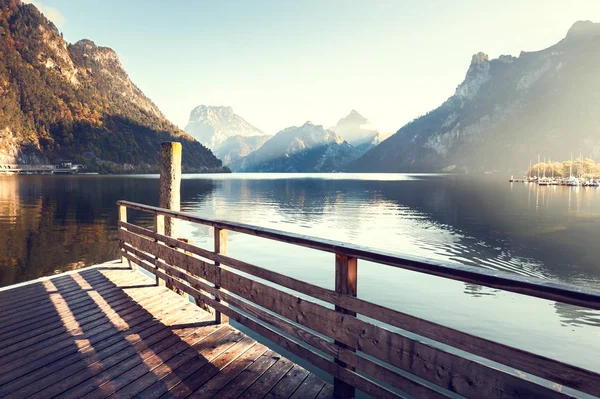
544,167
571,167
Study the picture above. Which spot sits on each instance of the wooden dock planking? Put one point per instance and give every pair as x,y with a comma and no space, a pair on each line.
59,368
110,332
247,377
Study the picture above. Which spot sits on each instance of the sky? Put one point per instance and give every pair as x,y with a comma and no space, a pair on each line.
280,63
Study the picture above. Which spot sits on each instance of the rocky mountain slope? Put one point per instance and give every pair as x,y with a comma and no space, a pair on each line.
308,148
506,112
212,125
63,101
358,131
236,147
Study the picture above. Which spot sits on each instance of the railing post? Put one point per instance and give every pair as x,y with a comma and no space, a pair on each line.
123,218
159,228
220,238
345,283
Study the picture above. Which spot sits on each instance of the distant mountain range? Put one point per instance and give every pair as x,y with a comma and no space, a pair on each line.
75,102
308,148
62,101
505,112
236,147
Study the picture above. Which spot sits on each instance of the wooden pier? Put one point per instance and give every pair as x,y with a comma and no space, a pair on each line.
110,331
156,324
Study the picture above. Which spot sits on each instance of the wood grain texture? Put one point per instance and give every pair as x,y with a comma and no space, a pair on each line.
145,336
459,373
550,290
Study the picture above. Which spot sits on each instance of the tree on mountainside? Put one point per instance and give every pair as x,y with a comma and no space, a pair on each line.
76,102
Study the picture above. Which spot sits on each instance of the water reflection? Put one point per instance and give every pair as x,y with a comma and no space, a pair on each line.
58,223
544,232
54,223
482,223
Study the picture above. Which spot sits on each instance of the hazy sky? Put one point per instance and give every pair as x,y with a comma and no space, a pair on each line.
282,62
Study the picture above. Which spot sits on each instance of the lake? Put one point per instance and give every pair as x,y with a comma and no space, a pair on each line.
51,224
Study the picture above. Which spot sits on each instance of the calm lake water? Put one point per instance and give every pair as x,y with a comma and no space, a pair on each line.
52,223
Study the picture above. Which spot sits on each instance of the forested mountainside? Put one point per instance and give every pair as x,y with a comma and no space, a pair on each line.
75,102
506,112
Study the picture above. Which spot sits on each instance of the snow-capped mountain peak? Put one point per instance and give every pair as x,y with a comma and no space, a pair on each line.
212,125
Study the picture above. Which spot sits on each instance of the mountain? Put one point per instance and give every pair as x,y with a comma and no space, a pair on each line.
505,112
236,147
357,130
62,101
308,148
212,125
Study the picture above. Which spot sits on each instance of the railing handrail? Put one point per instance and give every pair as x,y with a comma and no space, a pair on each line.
534,287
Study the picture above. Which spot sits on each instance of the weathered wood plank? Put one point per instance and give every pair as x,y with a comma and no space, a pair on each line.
220,246
64,318
30,302
303,335
61,341
46,313
54,367
247,377
550,290
346,274
53,333
288,383
172,242
169,256
120,376
382,343
307,354
268,380
196,380
309,388
326,392
220,336
195,364
92,377
551,369
572,376
226,374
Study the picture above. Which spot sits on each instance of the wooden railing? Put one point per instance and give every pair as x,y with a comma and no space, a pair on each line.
374,358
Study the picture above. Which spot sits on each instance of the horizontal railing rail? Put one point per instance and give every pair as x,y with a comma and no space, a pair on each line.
375,358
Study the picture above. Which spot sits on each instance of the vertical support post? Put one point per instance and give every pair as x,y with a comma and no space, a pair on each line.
170,187
170,183
345,283
220,238
123,218
159,228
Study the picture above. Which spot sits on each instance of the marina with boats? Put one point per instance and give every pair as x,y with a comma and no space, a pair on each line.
581,172
63,168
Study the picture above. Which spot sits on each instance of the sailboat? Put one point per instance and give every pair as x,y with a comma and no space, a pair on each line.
572,180
544,181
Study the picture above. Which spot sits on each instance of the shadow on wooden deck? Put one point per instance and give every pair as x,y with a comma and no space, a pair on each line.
107,332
